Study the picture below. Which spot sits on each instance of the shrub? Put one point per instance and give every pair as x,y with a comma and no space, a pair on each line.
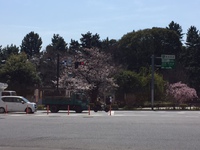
181,93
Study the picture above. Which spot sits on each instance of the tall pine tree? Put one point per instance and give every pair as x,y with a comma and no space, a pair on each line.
191,57
31,44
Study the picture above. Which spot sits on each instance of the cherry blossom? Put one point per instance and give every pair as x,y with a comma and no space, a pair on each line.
181,92
95,74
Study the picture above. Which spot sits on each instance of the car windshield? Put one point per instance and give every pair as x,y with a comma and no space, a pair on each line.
25,100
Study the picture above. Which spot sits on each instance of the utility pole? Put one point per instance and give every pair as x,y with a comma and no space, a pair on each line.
152,81
167,62
57,73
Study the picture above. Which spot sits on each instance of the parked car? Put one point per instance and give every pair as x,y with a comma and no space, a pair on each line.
8,93
16,104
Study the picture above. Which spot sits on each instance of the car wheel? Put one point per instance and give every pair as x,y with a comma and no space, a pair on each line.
78,109
95,109
106,109
54,109
2,110
28,110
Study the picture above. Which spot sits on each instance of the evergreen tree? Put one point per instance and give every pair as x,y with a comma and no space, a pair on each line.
88,40
109,45
8,50
177,28
74,46
48,66
191,57
31,44
192,40
59,43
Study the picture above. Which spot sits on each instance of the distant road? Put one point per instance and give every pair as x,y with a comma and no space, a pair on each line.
123,130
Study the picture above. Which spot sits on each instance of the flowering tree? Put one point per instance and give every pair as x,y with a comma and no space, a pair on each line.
180,92
94,73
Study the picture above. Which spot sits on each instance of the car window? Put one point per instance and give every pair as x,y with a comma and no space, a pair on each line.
17,100
12,99
7,99
7,93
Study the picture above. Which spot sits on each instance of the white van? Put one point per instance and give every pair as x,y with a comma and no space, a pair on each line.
16,104
8,93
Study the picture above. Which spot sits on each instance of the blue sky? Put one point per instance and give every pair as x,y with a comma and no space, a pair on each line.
108,18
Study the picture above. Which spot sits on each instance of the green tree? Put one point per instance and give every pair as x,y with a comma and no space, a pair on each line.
59,43
19,74
191,57
128,81
88,40
135,48
192,40
96,42
1,54
8,50
109,45
47,67
74,46
31,44
138,85
177,28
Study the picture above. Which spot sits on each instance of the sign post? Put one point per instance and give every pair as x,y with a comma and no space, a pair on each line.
168,62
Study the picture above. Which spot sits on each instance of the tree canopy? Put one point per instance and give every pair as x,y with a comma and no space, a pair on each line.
135,48
7,51
132,51
94,73
19,74
89,40
177,28
31,44
59,43
138,84
191,57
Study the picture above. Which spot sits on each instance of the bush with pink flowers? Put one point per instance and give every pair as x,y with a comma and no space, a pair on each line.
180,92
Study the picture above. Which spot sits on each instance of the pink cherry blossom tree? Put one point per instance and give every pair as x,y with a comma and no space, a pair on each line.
94,73
181,93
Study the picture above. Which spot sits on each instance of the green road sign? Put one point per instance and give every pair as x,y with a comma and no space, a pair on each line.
168,61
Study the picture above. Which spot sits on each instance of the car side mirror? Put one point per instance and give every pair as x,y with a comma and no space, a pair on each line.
22,102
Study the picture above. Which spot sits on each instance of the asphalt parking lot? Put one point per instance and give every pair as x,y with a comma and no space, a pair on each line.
122,130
